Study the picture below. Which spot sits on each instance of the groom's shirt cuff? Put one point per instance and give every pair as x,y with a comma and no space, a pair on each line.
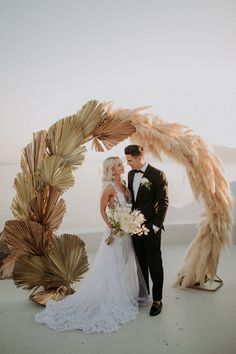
155,228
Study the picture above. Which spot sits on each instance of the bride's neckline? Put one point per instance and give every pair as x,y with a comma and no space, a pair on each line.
118,190
117,186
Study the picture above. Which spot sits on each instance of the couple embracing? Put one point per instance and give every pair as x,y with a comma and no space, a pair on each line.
119,279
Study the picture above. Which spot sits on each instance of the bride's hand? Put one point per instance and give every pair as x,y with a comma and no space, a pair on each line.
113,231
110,238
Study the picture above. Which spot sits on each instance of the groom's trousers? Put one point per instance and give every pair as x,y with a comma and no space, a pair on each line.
148,252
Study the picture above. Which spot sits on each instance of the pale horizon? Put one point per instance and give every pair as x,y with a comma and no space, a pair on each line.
82,200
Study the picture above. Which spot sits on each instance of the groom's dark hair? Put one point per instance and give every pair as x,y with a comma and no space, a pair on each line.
134,150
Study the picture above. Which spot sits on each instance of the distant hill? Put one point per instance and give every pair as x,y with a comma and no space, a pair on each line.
226,154
188,213
191,212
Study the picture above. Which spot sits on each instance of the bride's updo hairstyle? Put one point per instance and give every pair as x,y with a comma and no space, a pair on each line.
108,165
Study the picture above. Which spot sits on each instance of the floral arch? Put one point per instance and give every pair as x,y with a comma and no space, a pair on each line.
47,172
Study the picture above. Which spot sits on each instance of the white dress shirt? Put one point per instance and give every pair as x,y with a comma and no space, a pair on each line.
137,179
136,182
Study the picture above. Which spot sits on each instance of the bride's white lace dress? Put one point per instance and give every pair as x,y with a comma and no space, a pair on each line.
107,298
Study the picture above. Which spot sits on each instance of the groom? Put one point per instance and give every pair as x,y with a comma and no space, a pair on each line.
149,193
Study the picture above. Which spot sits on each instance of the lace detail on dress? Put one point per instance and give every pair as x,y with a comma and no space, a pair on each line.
108,296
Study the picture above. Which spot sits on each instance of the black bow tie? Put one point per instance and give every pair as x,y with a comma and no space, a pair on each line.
138,171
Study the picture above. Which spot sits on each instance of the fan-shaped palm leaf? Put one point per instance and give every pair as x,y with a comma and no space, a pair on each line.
65,139
34,153
111,132
42,297
89,116
24,237
67,261
25,192
53,172
47,209
29,271
4,251
7,266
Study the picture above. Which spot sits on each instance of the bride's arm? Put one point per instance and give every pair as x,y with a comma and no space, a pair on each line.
106,195
128,195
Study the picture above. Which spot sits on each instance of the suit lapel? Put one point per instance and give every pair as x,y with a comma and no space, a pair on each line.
130,184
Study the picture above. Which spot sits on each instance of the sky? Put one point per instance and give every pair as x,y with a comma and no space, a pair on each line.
179,57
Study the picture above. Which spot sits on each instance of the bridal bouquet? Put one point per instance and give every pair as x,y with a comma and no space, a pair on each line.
125,221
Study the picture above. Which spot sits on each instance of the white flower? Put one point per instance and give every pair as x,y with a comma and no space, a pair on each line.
126,221
146,183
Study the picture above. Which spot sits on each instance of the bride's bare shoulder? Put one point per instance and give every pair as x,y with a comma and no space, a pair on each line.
108,194
109,189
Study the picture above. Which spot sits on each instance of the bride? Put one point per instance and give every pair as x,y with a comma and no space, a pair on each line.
108,297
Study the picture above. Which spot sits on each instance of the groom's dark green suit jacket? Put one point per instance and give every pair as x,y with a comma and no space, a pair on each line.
152,202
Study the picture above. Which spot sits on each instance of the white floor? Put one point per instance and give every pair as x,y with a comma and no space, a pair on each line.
192,321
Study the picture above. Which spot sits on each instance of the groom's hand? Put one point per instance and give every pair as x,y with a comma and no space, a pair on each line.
111,205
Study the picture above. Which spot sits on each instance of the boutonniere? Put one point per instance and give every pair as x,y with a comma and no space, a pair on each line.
146,183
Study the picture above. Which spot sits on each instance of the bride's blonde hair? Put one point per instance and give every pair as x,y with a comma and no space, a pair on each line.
108,165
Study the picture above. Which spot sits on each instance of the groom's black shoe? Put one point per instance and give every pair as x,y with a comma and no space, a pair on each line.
156,308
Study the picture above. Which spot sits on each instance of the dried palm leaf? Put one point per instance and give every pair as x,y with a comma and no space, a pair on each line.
89,117
53,172
4,251
66,262
24,237
5,258
29,272
65,139
34,153
46,208
7,267
110,133
25,192
2,236
42,297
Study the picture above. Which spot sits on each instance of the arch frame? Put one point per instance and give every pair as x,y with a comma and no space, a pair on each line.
49,160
